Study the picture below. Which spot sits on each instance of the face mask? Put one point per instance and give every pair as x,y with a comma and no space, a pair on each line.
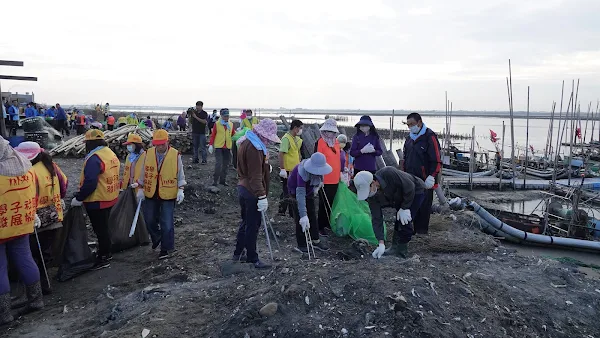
365,129
299,132
372,193
130,148
414,129
248,117
342,145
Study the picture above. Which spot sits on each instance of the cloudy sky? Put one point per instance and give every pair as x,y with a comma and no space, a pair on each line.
313,54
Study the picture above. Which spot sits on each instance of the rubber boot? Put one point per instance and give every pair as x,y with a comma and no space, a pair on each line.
34,295
397,248
5,315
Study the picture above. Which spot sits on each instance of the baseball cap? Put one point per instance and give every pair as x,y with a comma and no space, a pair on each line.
94,134
133,138
362,182
160,137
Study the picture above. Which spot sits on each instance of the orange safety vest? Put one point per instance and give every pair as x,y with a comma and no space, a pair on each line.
108,181
18,204
333,159
110,120
49,188
81,120
164,178
128,179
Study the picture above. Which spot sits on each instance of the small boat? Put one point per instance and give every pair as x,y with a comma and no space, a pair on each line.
458,173
529,223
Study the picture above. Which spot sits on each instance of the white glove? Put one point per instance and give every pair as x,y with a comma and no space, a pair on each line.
37,222
62,204
76,203
429,182
139,195
134,185
282,173
404,216
345,178
211,149
368,149
304,223
379,251
319,187
270,168
262,204
180,196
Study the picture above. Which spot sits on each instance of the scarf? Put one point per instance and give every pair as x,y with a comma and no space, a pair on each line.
92,152
315,180
224,123
11,162
421,132
256,141
133,157
330,140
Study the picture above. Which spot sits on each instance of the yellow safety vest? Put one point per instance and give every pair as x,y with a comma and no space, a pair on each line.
137,170
223,136
249,123
132,120
108,181
122,119
164,177
292,157
49,188
18,204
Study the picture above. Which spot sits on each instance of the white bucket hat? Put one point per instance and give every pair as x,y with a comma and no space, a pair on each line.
330,125
317,165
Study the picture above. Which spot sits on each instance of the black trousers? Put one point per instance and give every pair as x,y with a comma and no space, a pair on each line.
221,164
234,151
324,207
311,212
421,219
80,130
285,198
110,126
99,220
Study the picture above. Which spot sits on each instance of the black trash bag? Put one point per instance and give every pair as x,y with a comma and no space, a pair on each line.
74,256
120,220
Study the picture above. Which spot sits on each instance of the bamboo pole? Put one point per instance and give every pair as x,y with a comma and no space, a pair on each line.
512,125
392,128
526,143
573,105
472,159
587,119
548,153
594,122
502,156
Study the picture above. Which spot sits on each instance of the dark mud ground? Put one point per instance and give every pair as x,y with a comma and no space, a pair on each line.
460,283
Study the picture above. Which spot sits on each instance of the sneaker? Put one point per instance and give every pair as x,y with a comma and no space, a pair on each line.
239,258
101,264
155,245
195,161
109,257
322,246
302,250
203,162
163,255
261,265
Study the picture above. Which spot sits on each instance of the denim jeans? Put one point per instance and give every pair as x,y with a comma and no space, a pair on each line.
221,164
199,141
19,253
160,212
249,226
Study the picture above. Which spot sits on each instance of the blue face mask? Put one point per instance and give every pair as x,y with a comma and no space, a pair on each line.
414,129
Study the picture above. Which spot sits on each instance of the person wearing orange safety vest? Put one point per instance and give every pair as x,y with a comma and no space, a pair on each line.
329,146
99,190
80,123
162,182
52,188
221,144
110,122
18,192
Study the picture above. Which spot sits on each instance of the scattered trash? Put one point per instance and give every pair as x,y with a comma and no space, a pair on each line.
569,302
307,300
344,332
558,286
145,333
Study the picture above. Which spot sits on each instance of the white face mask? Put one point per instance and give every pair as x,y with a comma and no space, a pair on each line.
299,132
130,148
414,129
365,129
372,193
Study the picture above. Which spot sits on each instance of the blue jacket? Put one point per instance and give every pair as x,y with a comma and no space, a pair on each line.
60,114
50,112
422,156
365,161
13,111
31,112
93,168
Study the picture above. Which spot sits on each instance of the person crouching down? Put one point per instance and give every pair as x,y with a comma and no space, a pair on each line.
162,181
390,187
99,190
304,180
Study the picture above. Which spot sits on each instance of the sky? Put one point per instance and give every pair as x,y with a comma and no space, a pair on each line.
330,54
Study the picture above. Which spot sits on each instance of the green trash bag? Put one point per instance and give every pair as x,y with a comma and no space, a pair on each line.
351,217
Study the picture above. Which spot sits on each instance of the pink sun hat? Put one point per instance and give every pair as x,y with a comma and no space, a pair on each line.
29,149
267,128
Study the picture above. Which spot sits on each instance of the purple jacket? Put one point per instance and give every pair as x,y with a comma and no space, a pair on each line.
295,180
365,161
181,121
